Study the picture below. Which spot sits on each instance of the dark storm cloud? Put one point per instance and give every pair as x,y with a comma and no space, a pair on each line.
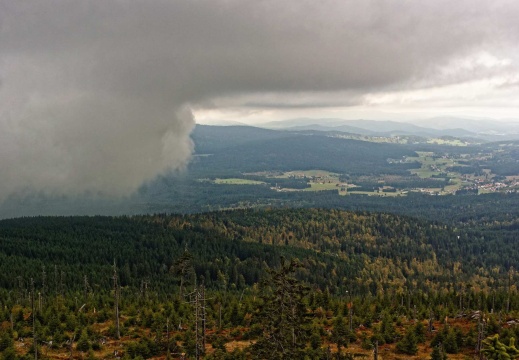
95,95
301,101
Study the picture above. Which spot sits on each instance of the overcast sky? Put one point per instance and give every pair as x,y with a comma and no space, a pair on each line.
100,96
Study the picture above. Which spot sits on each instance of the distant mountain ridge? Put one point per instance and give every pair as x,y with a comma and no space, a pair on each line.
486,130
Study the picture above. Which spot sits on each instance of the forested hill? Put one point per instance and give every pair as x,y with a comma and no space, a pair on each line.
306,152
365,252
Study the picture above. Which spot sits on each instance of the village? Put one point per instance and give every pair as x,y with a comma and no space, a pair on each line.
437,175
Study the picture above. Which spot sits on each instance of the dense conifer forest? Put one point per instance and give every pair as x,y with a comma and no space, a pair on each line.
256,284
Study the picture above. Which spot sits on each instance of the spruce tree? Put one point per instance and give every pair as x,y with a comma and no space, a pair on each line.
83,344
450,343
494,349
408,344
438,353
340,333
6,341
419,331
9,354
282,315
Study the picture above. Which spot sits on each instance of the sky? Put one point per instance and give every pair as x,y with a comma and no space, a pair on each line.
100,96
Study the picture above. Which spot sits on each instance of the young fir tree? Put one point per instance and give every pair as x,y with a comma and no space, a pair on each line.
387,329
9,354
438,353
494,349
83,344
451,342
340,333
408,344
419,331
6,341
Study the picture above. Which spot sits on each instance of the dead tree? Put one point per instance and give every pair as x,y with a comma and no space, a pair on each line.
71,346
168,356
203,315
61,286
220,316
56,281
430,324
85,288
116,303
144,289
34,337
20,290
510,278
198,301
43,285
481,335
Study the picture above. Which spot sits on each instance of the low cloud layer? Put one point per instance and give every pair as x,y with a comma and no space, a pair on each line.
95,96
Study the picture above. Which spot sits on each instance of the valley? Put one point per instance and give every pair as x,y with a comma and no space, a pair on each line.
374,264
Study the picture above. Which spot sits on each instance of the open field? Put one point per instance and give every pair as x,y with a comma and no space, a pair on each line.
323,186
453,172
450,142
424,173
454,184
309,173
431,165
236,181
374,193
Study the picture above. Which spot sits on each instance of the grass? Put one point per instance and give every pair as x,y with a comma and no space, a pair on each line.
484,191
235,181
451,188
453,142
325,186
428,162
424,173
309,173
431,166
373,193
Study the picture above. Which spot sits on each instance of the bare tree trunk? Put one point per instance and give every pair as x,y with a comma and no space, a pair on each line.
43,286
34,337
202,299
167,337
481,335
56,283
116,296
293,329
510,275
61,285
71,346
430,328
220,316
197,347
85,289
197,299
